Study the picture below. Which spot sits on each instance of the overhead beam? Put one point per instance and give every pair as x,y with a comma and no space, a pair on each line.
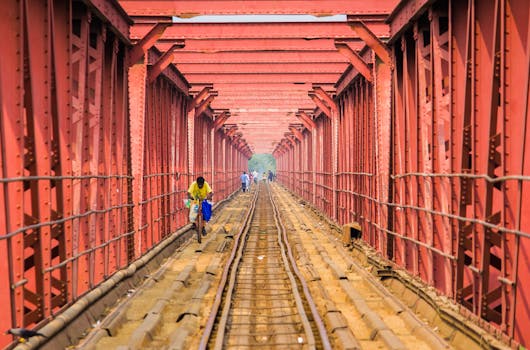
248,68
263,78
380,48
146,42
199,97
325,97
264,96
121,21
186,9
296,133
261,30
306,120
162,63
260,45
355,59
264,105
182,57
320,104
351,73
205,104
260,88
220,120
403,16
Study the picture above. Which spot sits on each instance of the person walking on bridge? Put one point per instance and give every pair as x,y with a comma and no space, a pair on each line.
244,181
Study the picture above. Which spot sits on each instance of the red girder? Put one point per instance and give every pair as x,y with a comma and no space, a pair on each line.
321,105
264,46
147,41
282,30
372,40
217,7
164,61
306,120
414,126
293,78
220,120
261,68
355,59
314,57
198,98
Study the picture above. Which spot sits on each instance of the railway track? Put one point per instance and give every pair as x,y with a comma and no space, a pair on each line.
263,300
269,275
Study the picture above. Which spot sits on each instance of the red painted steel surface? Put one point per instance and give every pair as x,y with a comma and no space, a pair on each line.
216,7
282,30
90,178
447,202
415,128
64,136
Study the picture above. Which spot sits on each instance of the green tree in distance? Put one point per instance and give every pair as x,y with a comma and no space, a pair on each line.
262,163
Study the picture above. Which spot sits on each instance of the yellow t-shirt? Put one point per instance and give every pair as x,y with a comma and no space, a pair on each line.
197,192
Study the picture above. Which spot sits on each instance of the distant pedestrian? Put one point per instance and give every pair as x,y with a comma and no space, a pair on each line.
244,181
270,176
255,176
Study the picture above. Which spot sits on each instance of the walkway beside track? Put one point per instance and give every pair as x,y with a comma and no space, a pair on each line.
362,304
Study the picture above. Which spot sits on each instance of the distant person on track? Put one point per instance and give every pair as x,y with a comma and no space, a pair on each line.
245,180
270,176
198,190
255,175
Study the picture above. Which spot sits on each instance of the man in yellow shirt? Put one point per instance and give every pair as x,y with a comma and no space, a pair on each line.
199,189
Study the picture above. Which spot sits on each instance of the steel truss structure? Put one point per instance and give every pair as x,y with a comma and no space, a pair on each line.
409,119
95,160
447,202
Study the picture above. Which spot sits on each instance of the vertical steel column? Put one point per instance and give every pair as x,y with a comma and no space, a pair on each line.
50,95
137,108
399,148
515,271
12,162
441,137
382,95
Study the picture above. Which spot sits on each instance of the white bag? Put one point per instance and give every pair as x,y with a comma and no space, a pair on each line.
194,211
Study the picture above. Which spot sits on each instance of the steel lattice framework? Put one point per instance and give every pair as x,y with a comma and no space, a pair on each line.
407,121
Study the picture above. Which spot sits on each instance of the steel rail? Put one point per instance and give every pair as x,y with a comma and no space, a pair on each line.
234,264
289,260
316,316
208,328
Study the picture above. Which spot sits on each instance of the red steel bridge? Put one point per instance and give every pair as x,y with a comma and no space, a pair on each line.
409,118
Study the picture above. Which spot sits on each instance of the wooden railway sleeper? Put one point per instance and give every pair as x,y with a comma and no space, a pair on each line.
153,318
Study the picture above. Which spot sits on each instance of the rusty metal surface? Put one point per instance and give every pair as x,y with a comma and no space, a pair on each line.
446,203
243,62
415,128
73,230
190,8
